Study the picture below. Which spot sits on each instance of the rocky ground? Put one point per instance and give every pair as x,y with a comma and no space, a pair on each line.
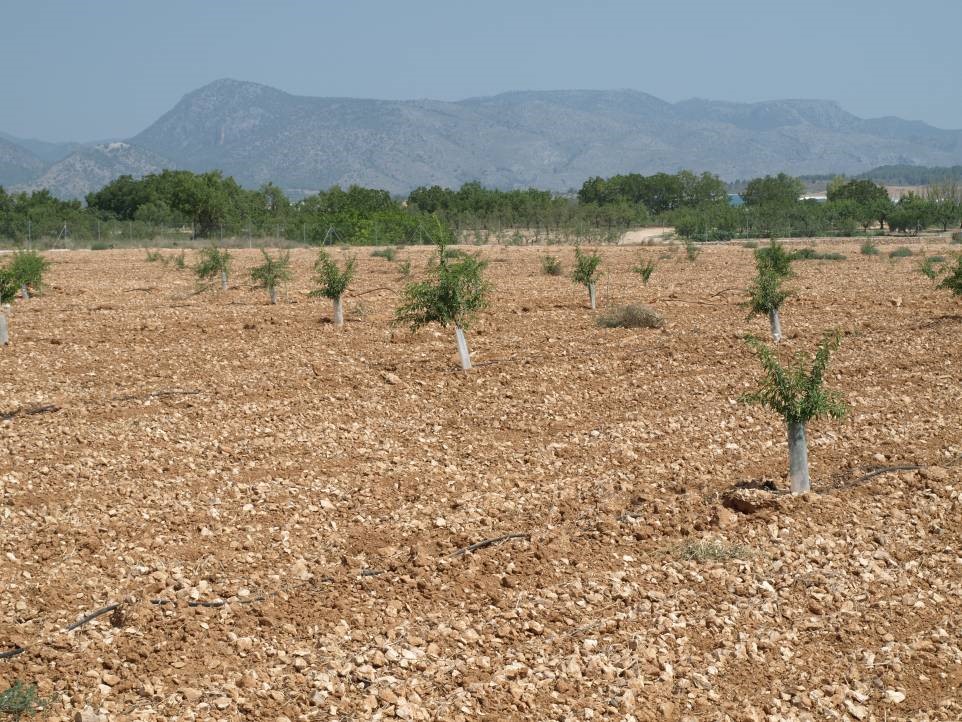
280,509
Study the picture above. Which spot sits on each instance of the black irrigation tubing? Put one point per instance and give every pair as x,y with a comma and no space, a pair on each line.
490,542
882,470
30,411
157,394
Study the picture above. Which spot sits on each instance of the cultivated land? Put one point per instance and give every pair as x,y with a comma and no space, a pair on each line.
212,447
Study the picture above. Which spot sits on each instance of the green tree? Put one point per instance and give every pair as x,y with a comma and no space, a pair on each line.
272,272
780,190
765,297
775,258
333,282
27,268
586,273
214,262
453,293
798,394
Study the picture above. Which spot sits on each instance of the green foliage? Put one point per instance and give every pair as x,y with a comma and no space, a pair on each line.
154,256
691,250
797,393
658,193
550,266
213,262
929,267
333,281
775,258
586,268
404,268
901,252
454,292
28,268
23,700
810,254
9,288
712,550
781,190
644,268
100,246
766,293
633,315
387,253
953,279
869,249
180,261
273,271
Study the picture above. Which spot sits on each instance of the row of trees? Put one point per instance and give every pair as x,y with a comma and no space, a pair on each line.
773,207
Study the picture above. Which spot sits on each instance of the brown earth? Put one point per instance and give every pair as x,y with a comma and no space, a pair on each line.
211,447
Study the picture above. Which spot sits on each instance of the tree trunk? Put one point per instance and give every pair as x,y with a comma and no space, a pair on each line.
591,295
24,292
463,348
798,458
4,335
273,291
223,280
338,311
776,322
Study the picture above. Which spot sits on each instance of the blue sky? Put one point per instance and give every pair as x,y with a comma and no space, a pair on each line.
86,70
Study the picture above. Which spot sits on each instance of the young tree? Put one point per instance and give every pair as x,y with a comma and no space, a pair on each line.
333,282
586,272
214,262
272,272
453,293
774,257
28,268
765,297
947,277
798,394
8,292
644,268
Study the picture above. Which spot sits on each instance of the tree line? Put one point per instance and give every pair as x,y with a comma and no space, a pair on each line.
213,206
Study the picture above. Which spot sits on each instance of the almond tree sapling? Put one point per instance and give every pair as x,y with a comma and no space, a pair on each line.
798,394
8,292
333,282
644,268
586,272
775,258
272,272
453,293
214,262
947,277
765,297
28,268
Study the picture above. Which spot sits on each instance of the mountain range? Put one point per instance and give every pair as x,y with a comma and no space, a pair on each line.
544,139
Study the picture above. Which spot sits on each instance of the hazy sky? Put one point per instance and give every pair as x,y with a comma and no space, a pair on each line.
89,69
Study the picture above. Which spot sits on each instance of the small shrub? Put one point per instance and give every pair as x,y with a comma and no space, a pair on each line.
810,254
550,266
22,700
956,237
711,550
644,268
404,268
869,249
901,252
180,261
953,279
28,268
750,244
8,286
154,256
633,315
387,253
100,246
691,250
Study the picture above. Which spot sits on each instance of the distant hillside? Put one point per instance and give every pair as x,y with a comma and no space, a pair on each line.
44,150
17,164
546,139
92,167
